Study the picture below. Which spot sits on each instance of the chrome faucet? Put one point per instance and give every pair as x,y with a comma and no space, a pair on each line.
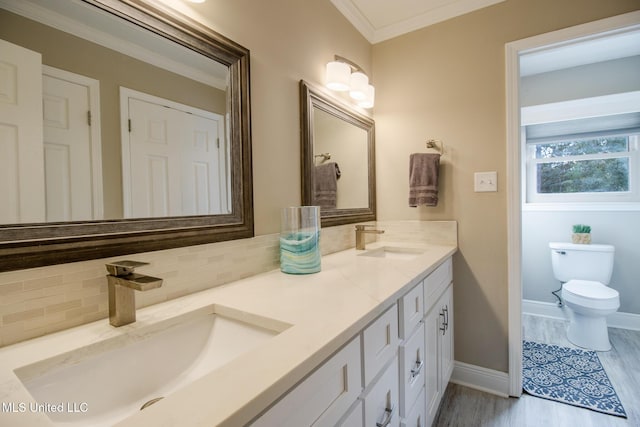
122,281
361,229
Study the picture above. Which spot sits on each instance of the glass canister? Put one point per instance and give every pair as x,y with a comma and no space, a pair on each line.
300,240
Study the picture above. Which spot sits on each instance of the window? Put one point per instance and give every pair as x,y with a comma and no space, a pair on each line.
597,166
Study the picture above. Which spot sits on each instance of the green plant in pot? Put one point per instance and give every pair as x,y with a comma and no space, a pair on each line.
581,234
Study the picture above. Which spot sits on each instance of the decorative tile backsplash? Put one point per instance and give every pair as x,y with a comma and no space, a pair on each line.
39,301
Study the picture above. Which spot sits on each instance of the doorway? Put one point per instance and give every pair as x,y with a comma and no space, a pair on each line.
515,51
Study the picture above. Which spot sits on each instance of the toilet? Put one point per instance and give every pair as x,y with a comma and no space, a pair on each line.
585,271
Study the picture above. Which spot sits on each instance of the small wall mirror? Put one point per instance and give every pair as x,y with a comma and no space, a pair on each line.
125,129
338,158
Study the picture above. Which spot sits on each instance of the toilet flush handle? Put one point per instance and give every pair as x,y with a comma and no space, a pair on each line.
561,252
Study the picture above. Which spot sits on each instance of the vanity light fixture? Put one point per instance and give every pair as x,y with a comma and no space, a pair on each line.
343,75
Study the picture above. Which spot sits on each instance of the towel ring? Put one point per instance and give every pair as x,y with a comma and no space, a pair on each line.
433,143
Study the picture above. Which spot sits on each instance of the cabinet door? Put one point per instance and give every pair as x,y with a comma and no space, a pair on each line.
382,400
431,366
412,370
446,349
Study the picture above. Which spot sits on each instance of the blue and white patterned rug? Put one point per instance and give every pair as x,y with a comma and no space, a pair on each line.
570,376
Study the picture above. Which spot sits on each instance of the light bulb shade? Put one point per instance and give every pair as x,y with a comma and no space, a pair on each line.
337,76
367,102
358,86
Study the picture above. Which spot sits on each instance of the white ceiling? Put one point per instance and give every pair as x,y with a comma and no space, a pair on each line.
380,20
581,52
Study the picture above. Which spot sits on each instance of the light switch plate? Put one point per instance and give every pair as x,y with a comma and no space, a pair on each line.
485,181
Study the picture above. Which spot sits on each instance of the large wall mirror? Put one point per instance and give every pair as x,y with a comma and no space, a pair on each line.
125,128
338,158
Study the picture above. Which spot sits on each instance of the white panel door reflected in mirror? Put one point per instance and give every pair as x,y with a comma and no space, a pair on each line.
174,158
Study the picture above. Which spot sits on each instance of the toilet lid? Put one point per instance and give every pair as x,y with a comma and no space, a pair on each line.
590,289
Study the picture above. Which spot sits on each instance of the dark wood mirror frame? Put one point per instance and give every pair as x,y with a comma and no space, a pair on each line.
34,245
310,98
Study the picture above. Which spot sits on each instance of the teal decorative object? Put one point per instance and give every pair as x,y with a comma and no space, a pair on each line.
300,240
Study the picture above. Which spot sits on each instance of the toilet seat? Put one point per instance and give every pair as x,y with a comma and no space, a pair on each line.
591,294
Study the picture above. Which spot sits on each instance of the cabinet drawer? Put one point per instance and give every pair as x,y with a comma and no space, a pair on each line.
381,402
412,369
436,282
411,307
417,415
380,343
324,397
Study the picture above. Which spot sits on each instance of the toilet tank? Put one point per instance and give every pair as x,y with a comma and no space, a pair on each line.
583,262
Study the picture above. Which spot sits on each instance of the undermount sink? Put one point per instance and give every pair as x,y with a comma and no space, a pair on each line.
105,382
394,252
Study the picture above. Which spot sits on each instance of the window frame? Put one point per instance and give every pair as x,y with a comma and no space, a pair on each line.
632,195
571,110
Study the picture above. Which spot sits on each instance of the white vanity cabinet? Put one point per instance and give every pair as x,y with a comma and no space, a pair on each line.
438,325
392,374
426,353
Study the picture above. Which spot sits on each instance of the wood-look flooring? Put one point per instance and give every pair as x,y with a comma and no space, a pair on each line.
462,406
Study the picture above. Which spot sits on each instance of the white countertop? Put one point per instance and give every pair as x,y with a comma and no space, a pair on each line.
326,310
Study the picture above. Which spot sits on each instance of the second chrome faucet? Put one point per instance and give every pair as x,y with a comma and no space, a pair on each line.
361,230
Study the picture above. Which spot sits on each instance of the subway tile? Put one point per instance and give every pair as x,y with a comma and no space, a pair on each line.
10,334
95,299
10,288
36,325
44,282
22,296
44,301
80,311
22,315
54,308
93,282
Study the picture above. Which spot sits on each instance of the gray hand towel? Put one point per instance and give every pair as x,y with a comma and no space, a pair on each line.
325,185
423,179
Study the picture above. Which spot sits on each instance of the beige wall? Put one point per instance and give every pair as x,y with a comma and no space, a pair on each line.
447,82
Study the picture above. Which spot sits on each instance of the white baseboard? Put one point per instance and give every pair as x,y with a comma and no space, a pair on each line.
479,378
548,309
